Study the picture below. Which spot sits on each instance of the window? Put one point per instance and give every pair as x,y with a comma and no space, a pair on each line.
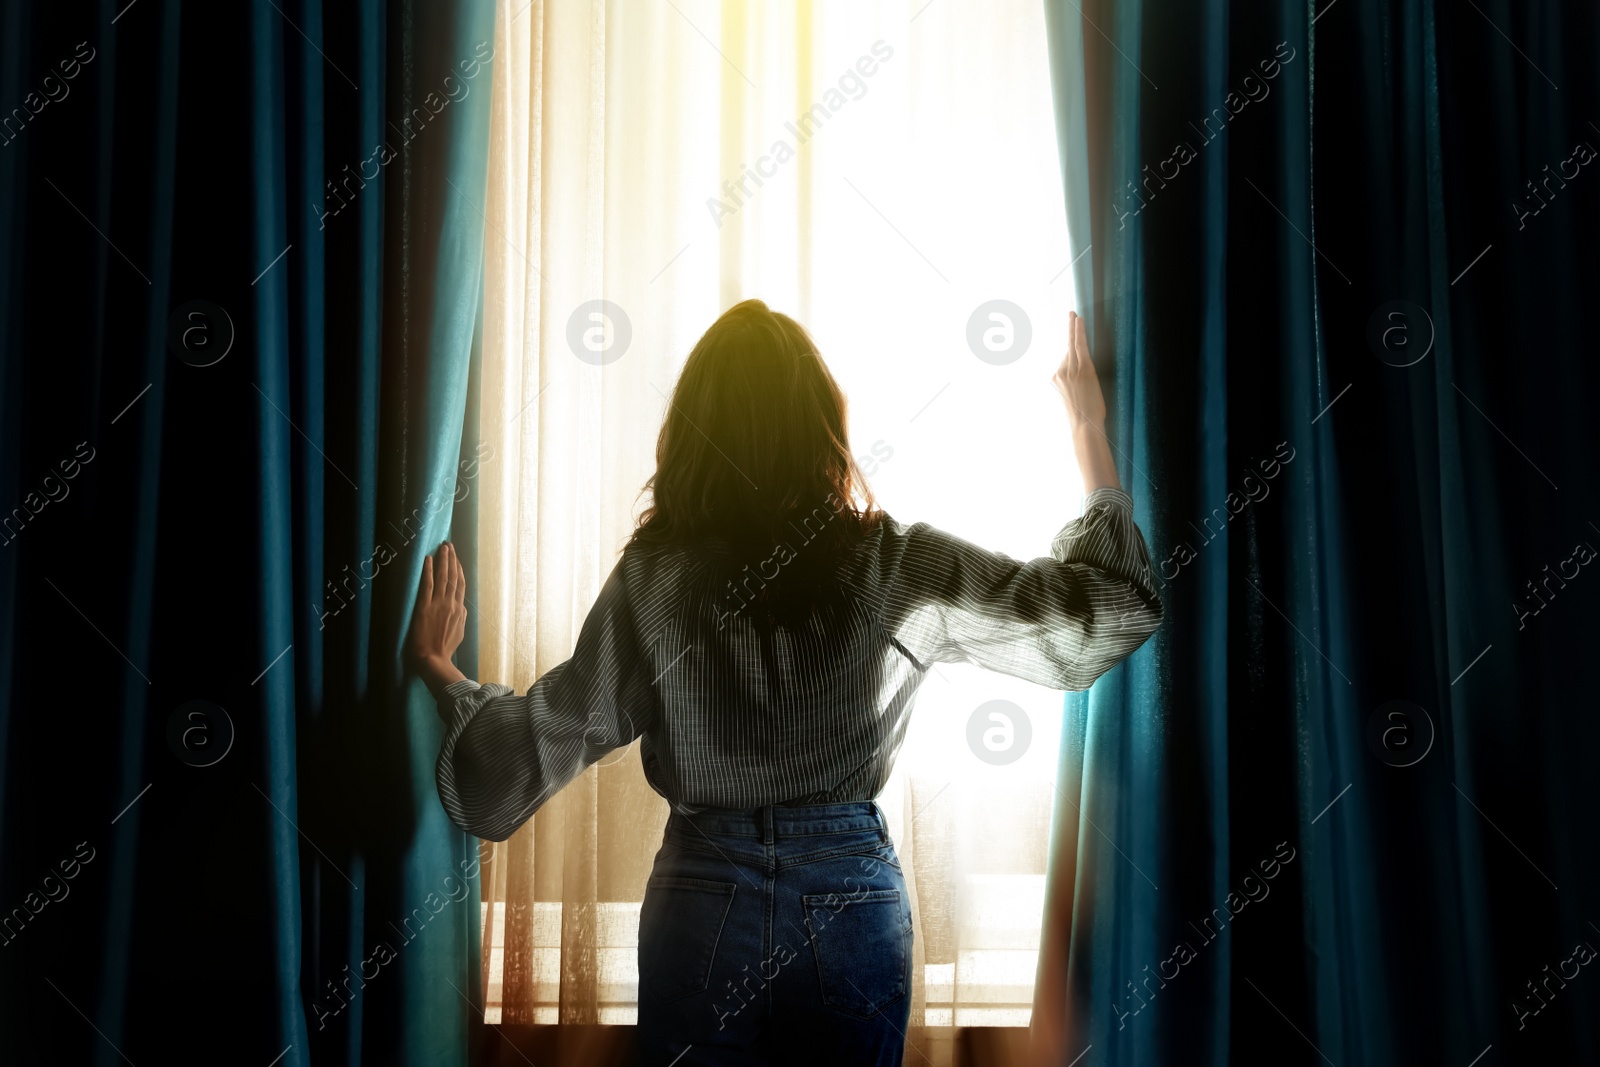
885,172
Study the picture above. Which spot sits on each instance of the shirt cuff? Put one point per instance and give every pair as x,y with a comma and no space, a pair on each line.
1107,494
450,694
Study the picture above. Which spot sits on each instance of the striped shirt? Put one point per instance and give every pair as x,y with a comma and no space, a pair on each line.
737,715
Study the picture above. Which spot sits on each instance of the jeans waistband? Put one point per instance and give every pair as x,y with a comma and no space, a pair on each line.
769,823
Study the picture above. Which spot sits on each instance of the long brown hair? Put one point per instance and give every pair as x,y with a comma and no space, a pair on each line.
754,455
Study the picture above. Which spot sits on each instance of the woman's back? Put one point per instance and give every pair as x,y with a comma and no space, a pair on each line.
737,710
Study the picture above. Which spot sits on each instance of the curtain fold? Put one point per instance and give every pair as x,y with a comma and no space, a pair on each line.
1333,334
439,298
254,274
558,430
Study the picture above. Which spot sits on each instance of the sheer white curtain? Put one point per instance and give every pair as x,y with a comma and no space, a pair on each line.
879,170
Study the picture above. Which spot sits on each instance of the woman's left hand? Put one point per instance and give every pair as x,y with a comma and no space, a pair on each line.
439,620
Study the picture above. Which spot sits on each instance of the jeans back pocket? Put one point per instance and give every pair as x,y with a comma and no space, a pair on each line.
862,945
680,924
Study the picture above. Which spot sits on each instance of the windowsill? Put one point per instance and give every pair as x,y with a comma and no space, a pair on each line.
603,1046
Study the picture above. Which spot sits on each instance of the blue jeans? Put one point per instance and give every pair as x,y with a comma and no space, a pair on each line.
775,935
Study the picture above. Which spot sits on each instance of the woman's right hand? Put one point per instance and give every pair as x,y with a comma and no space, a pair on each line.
1077,381
1079,387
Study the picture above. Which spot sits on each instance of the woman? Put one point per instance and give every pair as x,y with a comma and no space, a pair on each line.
764,633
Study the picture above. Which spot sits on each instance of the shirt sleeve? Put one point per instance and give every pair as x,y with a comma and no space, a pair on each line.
504,755
1059,621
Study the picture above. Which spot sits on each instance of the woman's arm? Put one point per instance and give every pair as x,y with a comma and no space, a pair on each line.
1060,620
504,755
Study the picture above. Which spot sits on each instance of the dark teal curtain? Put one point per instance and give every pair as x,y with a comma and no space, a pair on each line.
1339,809
240,288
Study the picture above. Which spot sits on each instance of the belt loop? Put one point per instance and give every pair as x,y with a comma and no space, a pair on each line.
766,824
